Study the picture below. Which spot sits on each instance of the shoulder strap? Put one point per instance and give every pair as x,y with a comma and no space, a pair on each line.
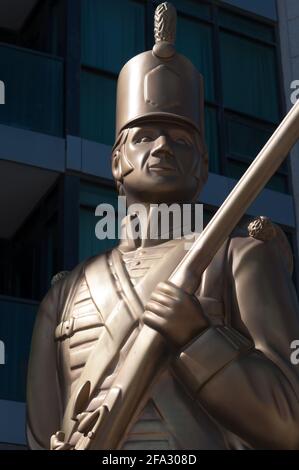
114,311
127,288
121,321
98,274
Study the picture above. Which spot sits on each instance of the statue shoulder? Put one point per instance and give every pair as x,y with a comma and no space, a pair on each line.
64,279
64,282
262,236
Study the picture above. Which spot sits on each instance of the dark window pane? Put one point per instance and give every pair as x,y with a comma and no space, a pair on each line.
16,324
193,8
43,29
194,40
211,131
33,90
207,216
112,32
5,266
249,77
245,138
90,197
89,244
236,169
98,96
245,25
34,260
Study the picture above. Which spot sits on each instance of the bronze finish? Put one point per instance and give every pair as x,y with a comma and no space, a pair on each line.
160,83
208,363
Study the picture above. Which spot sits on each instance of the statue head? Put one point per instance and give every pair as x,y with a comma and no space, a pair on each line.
160,154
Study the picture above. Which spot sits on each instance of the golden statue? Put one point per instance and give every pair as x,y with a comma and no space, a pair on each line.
152,347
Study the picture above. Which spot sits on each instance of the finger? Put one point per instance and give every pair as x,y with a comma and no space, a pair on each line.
175,292
154,321
170,289
163,298
157,308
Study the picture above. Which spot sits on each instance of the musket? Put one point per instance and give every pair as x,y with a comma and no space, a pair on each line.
149,352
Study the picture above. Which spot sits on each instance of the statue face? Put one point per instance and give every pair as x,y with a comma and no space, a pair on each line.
164,161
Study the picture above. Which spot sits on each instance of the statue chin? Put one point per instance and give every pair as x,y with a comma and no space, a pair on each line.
163,190
152,197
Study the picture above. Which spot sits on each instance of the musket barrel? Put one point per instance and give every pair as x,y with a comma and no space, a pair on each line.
187,274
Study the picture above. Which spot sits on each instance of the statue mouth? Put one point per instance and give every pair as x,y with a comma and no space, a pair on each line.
162,167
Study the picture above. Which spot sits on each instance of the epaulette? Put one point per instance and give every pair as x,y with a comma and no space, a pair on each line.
58,277
262,228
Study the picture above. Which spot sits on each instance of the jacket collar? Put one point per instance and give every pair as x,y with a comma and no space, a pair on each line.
131,238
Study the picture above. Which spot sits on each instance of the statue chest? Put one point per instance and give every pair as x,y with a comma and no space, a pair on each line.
85,326
84,322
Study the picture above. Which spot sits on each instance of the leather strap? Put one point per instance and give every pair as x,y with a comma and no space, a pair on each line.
132,299
118,314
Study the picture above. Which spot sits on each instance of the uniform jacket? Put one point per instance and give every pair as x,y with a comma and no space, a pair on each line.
232,387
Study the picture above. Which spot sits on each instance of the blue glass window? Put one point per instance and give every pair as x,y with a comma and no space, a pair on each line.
112,33
98,96
16,324
194,40
90,197
249,75
33,90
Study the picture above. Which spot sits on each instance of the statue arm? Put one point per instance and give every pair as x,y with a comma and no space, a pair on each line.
247,382
43,398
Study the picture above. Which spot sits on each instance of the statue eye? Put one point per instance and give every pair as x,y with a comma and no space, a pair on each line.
182,141
144,139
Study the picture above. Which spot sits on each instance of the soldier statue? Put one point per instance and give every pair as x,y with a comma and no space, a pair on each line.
224,379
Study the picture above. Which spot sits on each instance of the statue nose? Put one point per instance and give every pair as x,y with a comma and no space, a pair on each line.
162,146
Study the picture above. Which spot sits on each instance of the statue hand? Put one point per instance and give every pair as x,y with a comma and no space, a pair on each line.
57,442
176,315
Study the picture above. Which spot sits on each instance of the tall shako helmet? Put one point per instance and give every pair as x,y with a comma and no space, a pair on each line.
160,83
